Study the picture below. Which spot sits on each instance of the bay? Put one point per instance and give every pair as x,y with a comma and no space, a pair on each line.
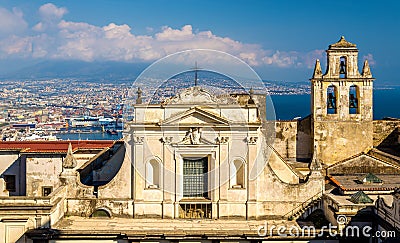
385,104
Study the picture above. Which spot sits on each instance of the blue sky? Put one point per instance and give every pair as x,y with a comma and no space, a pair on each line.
279,39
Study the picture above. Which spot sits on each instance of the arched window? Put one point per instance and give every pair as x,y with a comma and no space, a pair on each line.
153,177
343,68
101,213
353,99
331,100
237,174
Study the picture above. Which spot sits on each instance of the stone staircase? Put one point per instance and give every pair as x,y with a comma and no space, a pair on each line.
313,202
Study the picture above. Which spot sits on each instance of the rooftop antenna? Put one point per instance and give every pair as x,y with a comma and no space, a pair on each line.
195,74
196,68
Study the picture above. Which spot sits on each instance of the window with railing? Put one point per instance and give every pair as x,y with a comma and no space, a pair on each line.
195,210
195,180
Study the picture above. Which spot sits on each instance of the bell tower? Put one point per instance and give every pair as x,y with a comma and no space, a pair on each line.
341,104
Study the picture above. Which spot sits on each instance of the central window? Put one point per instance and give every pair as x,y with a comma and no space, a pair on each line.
195,179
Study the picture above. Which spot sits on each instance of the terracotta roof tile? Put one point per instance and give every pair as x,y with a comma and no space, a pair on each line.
54,146
350,183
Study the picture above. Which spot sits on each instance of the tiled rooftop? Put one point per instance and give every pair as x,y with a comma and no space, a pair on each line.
352,183
53,146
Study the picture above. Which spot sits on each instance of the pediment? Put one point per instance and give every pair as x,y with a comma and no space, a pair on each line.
363,163
196,116
198,95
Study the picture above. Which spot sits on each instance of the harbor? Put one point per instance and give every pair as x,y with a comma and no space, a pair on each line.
77,128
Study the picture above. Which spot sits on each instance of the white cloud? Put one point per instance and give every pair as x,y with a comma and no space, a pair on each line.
370,58
169,34
149,30
50,16
18,46
50,11
57,38
249,57
281,59
11,22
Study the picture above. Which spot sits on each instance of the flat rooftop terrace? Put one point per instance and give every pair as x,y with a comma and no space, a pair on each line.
79,227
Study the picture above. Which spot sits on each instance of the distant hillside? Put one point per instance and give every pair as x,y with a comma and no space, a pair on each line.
76,69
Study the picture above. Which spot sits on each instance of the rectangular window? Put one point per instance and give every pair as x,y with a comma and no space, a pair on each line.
46,190
195,179
10,183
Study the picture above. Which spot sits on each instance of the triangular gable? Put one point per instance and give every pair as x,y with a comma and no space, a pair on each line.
363,163
195,116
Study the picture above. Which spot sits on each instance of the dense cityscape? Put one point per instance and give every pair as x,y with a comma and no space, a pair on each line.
41,109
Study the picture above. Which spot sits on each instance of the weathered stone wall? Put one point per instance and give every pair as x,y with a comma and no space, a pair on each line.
42,170
84,156
337,141
30,213
383,129
86,170
333,59
285,142
388,211
36,170
281,169
120,185
294,139
304,141
7,159
278,198
12,164
85,207
320,100
3,191
363,164
110,167
13,230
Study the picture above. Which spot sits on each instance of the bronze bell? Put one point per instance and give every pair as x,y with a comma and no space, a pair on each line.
353,101
342,68
331,101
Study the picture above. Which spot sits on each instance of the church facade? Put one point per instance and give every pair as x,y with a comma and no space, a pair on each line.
199,157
